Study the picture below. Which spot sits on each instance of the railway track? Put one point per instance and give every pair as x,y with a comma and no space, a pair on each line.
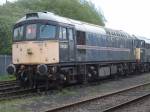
7,83
17,93
118,107
1,82
11,90
108,102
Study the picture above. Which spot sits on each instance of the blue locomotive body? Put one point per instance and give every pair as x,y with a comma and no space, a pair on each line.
106,47
62,50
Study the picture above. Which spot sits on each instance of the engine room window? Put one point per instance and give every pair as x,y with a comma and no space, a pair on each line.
47,31
31,31
81,40
18,33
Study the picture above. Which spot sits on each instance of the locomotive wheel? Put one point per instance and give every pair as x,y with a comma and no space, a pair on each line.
23,79
92,74
60,81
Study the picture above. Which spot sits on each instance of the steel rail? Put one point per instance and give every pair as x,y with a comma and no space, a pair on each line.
6,82
127,103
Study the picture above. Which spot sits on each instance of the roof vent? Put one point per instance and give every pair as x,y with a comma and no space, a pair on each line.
29,15
45,12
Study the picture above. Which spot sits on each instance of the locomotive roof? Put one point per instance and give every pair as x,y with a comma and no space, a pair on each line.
147,40
119,33
79,25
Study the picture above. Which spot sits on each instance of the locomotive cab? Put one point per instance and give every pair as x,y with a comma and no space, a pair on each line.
35,43
42,43
140,50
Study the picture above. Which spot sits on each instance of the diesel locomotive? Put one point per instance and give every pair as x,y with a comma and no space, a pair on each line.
55,50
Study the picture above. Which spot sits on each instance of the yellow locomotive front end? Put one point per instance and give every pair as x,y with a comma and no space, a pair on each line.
36,52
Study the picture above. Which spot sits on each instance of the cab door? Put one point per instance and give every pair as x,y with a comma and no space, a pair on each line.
67,44
71,42
63,44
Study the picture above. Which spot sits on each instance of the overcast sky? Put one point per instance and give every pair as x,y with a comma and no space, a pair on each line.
129,15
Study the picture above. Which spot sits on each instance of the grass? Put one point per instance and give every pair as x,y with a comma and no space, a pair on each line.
7,77
66,92
15,104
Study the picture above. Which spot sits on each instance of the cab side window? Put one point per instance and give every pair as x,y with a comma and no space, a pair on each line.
70,34
63,33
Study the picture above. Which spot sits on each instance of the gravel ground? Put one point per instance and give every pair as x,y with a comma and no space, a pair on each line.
99,105
71,94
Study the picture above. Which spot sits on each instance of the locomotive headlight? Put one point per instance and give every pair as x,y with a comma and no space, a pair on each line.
11,69
42,69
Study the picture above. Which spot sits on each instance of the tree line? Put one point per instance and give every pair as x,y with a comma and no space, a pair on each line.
76,9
